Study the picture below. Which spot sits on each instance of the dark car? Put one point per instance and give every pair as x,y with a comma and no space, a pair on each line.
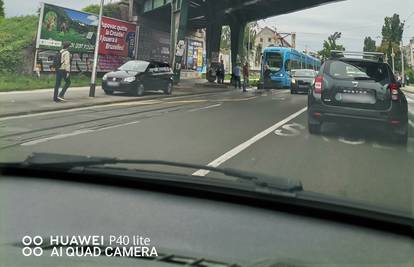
301,80
358,90
137,76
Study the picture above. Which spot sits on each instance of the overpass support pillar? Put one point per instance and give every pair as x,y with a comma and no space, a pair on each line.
179,20
237,36
213,37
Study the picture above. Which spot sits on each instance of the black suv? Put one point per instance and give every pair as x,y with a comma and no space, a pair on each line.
358,90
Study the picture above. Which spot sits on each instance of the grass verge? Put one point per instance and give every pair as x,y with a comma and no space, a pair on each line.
16,82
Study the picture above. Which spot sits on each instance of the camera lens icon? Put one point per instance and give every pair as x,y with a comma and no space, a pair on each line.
32,246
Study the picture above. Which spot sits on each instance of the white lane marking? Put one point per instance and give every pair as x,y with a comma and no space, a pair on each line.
351,142
77,132
149,102
203,108
290,130
410,111
236,150
411,123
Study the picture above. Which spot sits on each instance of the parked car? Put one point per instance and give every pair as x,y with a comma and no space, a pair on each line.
137,76
301,80
358,90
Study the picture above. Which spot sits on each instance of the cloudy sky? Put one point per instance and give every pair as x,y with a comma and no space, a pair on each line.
354,18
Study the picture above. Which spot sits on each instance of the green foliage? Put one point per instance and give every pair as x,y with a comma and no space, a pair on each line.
14,82
16,34
330,44
410,73
2,15
392,29
109,10
392,32
225,38
369,45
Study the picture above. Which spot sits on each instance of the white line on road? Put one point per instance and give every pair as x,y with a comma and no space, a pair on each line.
411,123
409,99
223,158
203,108
77,132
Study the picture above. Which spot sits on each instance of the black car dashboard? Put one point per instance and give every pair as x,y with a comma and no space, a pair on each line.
220,233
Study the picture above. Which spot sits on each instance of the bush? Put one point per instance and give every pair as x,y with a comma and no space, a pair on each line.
16,34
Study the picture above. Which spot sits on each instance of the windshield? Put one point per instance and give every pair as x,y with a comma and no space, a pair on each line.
287,106
303,73
360,70
274,61
138,66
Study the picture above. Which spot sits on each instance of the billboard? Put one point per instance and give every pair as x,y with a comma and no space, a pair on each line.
58,24
117,38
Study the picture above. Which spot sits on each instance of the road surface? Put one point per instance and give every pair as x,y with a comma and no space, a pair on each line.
262,132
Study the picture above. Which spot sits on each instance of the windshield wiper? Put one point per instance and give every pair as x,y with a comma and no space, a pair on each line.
68,162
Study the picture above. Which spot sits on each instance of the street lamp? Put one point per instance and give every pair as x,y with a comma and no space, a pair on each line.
95,56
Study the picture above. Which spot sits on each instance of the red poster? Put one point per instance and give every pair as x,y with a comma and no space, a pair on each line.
117,38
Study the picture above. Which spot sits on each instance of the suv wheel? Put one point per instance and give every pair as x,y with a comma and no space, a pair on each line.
169,88
139,91
109,92
314,128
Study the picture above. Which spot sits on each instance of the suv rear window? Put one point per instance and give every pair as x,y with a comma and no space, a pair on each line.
360,70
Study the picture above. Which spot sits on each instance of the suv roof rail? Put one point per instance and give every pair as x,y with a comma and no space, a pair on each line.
379,56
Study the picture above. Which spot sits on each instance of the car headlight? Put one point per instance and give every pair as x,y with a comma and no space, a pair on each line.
281,75
129,79
293,81
105,77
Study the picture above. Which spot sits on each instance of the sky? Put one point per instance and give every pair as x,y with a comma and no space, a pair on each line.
354,18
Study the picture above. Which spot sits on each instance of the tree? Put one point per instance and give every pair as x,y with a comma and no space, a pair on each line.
369,45
109,10
392,32
225,38
330,44
2,15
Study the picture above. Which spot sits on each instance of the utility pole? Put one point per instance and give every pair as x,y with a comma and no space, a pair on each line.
402,63
95,57
392,59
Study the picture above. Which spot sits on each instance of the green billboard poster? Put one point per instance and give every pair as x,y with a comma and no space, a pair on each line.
59,24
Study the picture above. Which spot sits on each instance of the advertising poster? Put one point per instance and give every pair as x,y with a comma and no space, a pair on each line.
59,24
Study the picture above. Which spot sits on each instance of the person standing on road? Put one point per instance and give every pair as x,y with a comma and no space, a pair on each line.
62,72
236,73
266,77
221,72
407,80
245,76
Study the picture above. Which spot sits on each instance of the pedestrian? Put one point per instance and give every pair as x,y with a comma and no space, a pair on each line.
62,67
266,77
245,76
237,73
407,80
221,72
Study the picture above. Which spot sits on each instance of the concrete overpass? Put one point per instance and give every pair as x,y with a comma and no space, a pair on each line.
182,16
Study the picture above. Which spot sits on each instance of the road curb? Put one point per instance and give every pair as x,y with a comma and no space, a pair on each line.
108,102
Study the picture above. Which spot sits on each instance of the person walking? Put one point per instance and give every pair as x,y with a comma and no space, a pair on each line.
62,66
407,80
221,72
236,73
245,76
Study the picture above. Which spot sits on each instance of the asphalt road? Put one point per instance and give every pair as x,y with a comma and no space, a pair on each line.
257,132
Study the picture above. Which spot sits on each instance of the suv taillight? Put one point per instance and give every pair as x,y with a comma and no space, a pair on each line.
394,91
318,84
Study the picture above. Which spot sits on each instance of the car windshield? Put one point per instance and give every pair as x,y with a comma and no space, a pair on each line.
277,103
303,73
138,66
